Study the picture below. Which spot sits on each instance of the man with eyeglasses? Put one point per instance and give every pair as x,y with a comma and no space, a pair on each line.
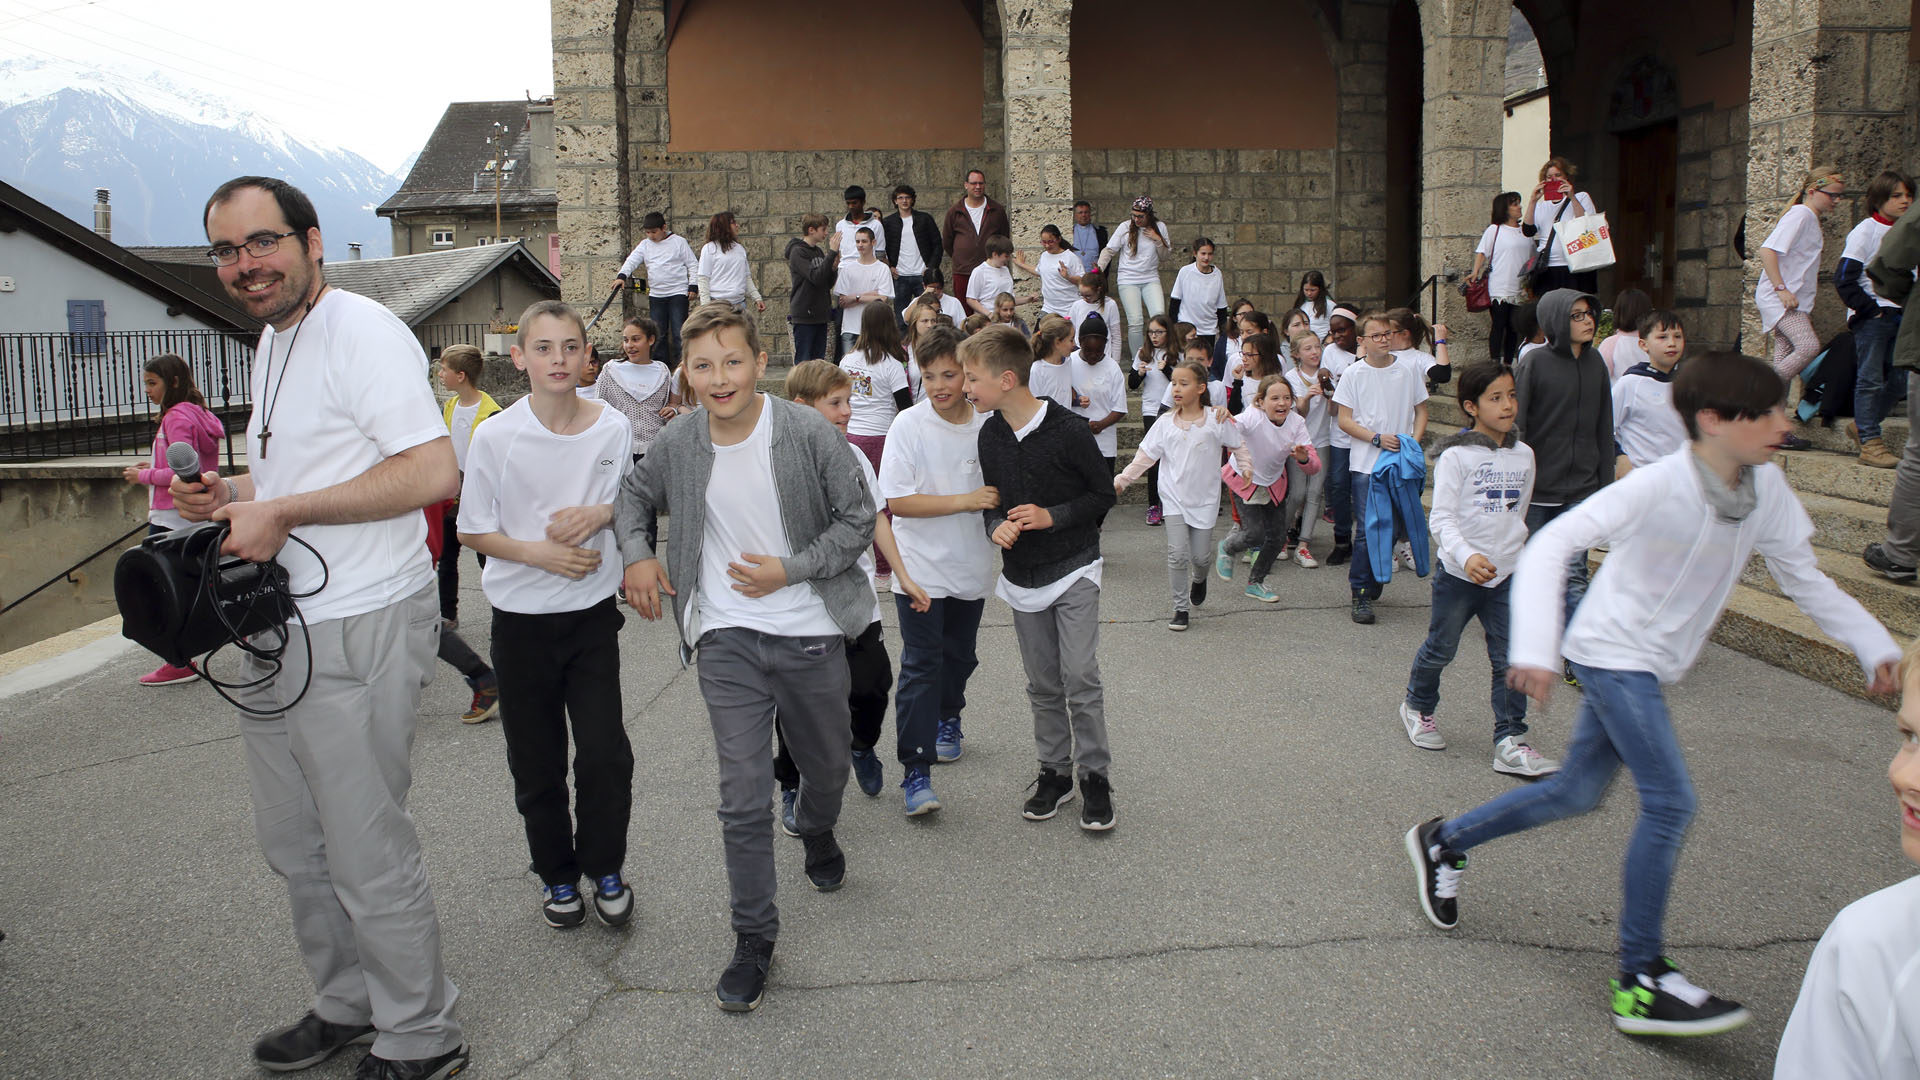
345,448
969,222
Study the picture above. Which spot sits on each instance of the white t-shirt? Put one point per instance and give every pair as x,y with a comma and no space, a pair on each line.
726,272
1201,297
1057,294
856,277
1141,267
1797,241
1645,423
638,380
1054,382
977,213
953,309
865,561
352,393
1545,212
1418,359
1216,395
1525,349
1382,400
1621,351
908,259
1320,322
522,474
670,265
1105,389
1189,458
1270,443
1316,417
874,385
1042,597
849,249
949,556
1507,250
987,282
1335,361
1863,243
1153,382
743,517
462,430
1858,1014
1109,312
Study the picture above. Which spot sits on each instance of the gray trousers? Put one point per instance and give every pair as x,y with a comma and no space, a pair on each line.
1189,554
1058,648
329,779
1903,509
746,677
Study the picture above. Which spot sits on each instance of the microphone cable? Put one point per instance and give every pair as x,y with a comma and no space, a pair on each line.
267,654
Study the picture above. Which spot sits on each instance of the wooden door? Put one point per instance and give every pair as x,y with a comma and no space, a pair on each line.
1642,223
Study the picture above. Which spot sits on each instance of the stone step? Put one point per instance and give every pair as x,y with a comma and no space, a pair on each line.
1771,629
1896,606
1844,525
1819,472
1835,438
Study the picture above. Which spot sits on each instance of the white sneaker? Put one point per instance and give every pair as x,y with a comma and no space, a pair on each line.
1284,552
1518,759
1422,730
1403,555
1305,558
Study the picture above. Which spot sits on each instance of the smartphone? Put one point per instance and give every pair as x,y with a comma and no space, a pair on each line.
1556,190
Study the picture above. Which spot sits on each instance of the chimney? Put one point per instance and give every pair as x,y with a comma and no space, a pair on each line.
102,214
540,127
353,252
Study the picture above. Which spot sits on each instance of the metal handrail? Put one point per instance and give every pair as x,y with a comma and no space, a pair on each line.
67,574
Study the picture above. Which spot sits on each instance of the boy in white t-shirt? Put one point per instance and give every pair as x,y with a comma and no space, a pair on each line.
1645,426
992,277
861,281
538,499
931,479
1380,400
1099,387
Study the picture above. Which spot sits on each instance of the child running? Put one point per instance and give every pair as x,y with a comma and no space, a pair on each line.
641,388
1054,490
537,500
1312,389
184,418
878,367
931,480
1264,492
1680,532
1099,389
1187,442
1152,374
1382,403
1481,486
1049,376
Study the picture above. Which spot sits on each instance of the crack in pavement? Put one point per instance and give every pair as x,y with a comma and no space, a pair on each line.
118,760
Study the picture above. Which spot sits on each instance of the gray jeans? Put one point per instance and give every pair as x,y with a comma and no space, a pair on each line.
746,677
1903,508
1058,648
329,780
1189,554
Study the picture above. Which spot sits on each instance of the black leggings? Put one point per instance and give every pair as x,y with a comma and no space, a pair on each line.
1153,471
1503,343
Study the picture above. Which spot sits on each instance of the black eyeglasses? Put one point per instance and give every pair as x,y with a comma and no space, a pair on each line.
1580,315
257,246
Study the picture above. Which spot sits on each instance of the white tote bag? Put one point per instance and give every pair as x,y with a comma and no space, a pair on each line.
1586,242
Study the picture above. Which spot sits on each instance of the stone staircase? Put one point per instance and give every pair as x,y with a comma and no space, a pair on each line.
1847,502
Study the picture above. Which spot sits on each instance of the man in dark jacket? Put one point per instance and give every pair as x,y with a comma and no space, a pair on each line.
1566,417
913,246
1892,271
969,222
810,304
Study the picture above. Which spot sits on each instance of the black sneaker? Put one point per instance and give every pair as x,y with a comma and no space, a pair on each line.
1051,791
1096,804
450,1064
307,1043
1567,676
826,863
745,980
1793,442
1876,559
1340,554
1178,622
1362,609
1661,1001
560,905
1198,594
1439,872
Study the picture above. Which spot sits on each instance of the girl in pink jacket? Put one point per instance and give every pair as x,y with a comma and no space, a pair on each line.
183,418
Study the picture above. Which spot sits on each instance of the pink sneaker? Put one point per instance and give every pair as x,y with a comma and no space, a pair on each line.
167,675
1154,516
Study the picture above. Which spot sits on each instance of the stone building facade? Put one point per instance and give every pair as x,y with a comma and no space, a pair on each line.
1361,138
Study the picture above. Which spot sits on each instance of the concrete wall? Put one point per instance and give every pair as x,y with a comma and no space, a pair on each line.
46,277
414,235
1525,139
509,291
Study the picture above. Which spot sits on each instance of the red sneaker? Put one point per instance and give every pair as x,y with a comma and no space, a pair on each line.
167,675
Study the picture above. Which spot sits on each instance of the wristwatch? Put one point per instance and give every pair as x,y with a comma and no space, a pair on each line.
1376,440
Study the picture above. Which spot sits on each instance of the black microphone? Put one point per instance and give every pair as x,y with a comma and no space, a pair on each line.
184,460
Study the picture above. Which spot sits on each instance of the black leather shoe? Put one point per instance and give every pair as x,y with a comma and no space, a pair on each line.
307,1043
745,980
826,863
447,1065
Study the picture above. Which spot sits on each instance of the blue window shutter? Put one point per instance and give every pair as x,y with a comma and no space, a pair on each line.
86,325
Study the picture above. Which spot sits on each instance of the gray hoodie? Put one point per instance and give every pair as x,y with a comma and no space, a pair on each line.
1566,408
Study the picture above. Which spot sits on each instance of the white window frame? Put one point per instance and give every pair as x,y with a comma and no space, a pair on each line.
434,236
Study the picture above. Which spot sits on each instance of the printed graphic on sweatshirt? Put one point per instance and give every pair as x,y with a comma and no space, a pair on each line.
1497,488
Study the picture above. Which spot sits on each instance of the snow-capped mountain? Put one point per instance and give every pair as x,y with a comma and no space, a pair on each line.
161,148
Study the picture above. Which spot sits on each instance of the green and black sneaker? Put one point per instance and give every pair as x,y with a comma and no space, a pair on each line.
1660,1001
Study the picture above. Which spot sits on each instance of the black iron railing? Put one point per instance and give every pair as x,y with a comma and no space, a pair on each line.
67,395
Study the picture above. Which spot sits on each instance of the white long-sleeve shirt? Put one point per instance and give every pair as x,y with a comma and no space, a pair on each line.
1480,499
1858,1015
1672,563
1645,423
670,265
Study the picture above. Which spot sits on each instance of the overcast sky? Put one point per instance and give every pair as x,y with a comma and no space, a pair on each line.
372,76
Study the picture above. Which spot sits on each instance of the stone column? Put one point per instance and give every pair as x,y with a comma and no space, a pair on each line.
1460,151
590,143
1038,127
1828,87
1358,273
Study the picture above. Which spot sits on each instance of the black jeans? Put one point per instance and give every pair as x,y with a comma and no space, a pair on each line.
1153,471
809,341
557,670
667,312
870,671
1503,344
449,568
1550,278
905,291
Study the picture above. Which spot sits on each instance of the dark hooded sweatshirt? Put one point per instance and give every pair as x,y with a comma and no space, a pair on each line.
814,271
1566,408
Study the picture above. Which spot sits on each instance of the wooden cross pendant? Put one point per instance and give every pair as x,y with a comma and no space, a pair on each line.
265,434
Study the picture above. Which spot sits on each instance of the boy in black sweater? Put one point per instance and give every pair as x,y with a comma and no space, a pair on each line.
1056,488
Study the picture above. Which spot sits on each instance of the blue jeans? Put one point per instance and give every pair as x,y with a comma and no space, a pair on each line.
1623,719
1537,518
1874,388
936,659
1455,600
667,312
1340,492
809,341
905,291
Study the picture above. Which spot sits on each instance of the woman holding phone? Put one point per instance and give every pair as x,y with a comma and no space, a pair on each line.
1554,200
